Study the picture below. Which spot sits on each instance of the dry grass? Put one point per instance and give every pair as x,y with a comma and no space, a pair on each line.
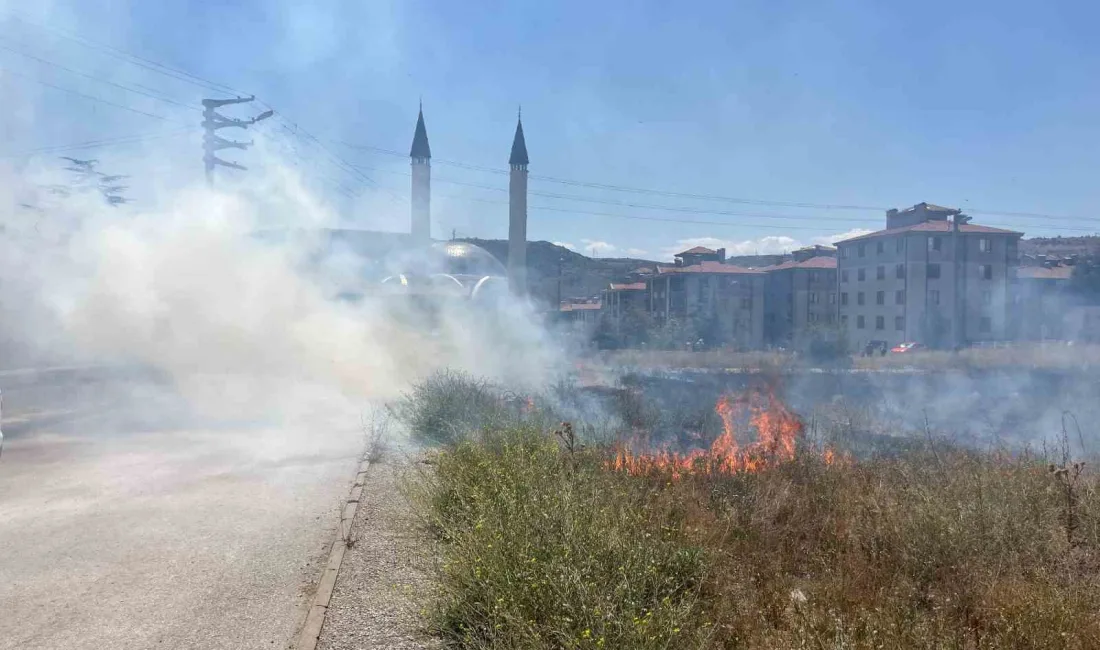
546,548
1054,356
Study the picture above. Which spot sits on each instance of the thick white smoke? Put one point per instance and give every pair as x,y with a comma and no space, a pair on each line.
184,286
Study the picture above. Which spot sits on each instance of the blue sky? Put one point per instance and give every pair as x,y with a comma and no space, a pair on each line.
986,106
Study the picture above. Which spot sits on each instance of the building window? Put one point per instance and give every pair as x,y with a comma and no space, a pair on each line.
985,245
844,298
861,249
985,324
899,271
844,275
811,317
880,298
901,244
879,247
899,297
987,297
861,275
859,322
933,271
880,322
813,297
859,298
985,271
899,323
934,296
844,320
746,303
832,297
880,273
934,243
844,252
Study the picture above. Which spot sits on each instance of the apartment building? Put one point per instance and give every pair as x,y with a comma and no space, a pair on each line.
800,298
930,276
1041,301
709,292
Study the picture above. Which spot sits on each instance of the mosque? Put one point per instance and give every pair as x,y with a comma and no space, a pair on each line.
458,265
413,264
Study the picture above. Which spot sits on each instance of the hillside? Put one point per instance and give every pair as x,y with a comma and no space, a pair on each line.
1061,246
583,276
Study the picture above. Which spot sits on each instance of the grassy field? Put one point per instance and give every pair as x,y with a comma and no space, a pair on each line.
1022,355
543,545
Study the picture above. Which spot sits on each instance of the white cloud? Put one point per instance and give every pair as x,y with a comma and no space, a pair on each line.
829,240
769,245
593,247
636,252
565,244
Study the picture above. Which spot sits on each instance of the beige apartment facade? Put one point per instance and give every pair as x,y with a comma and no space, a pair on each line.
929,277
801,300
710,290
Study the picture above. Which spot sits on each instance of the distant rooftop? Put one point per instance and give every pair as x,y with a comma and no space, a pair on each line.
698,250
1044,273
933,226
820,262
708,267
633,286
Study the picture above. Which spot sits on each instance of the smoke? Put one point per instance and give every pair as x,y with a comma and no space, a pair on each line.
240,323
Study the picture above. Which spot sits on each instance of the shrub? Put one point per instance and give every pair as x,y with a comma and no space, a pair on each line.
544,550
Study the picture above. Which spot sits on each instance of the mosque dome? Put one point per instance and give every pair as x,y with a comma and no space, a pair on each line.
462,258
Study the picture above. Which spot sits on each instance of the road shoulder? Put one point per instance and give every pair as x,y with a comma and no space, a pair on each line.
384,580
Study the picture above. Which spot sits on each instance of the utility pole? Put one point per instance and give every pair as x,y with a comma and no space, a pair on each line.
211,142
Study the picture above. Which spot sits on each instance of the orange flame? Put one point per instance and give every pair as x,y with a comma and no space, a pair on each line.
776,429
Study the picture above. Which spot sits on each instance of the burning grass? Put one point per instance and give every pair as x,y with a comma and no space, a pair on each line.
549,544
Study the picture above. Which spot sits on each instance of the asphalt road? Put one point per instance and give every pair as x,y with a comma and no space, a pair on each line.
126,522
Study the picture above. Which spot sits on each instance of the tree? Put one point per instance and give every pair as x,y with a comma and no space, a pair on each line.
1085,281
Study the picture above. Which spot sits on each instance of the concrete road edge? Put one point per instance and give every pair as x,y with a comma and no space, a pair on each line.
310,632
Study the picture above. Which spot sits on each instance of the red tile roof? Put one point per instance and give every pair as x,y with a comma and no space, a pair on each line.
583,306
698,250
1044,273
933,226
709,267
819,262
636,286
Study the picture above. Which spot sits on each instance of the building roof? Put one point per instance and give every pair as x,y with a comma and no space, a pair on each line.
642,270
819,262
709,267
420,148
933,226
580,306
634,286
1044,273
519,147
931,207
698,250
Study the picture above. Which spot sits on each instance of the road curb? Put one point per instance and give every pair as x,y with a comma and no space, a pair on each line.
315,618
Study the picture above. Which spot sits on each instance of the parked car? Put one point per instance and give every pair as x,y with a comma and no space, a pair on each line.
907,347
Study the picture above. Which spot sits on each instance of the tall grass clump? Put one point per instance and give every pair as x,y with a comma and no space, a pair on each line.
543,548
448,405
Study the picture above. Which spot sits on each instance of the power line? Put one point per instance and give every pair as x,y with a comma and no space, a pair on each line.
91,97
679,209
95,78
736,224
92,144
712,197
134,59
